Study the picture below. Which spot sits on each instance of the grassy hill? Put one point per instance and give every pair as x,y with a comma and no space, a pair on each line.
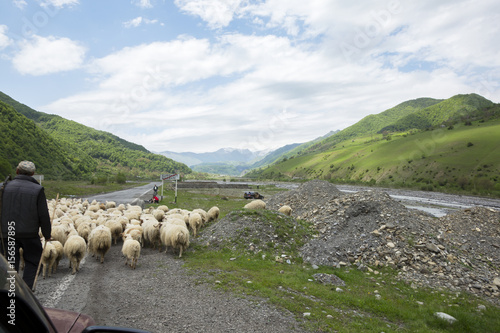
64,149
463,156
372,124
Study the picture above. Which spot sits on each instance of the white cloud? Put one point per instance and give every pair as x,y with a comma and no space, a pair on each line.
217,13
251,81
134,23
4,39
59,3
21,4
143,3
46,55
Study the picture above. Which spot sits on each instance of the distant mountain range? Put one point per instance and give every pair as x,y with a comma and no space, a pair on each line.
228,161
223,155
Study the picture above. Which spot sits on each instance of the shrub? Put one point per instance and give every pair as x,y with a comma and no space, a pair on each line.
120,178
463,182
470,144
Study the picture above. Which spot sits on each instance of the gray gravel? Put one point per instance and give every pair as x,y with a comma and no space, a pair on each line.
160,296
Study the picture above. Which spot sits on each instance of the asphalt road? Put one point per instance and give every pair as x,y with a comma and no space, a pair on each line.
135,195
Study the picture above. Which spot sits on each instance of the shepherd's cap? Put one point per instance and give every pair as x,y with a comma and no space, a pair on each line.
27,166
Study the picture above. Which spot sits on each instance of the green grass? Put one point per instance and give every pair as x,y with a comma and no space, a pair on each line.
226,199
355,309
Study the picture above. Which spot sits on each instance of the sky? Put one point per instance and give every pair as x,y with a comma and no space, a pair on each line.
200,75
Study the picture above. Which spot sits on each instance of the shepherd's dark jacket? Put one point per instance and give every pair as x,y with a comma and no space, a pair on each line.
25,206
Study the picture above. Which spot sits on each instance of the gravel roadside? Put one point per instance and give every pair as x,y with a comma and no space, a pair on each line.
159,295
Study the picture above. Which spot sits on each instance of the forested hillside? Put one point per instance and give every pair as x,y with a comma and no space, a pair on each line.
65,149
452,110
21,139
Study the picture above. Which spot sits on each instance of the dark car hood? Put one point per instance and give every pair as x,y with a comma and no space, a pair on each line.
68,321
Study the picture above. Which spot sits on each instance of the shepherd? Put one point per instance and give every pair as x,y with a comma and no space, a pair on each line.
24,211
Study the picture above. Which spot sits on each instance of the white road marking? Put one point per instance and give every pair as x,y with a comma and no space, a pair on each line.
54,299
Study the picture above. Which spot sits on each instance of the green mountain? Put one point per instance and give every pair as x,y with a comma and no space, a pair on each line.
457,151
274,155
371,124
451,110
65,149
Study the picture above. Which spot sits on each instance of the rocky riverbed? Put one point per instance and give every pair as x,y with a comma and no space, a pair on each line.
369,229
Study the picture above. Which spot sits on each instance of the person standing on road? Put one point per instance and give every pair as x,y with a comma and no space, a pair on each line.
155,190
24,211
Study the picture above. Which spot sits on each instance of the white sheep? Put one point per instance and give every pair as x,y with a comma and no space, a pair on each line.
116,229
177,221
135,231
132,214
203,214
100,242
93,208
48,258
213,214
62,231
131,249
110,204
60,253
75,250
195,222
151,233
175,236
287,210
178,216
81,219
164,208
158,214
123,221
255,204
84,230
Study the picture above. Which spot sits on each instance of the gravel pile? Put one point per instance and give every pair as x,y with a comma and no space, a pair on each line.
256,230
369,229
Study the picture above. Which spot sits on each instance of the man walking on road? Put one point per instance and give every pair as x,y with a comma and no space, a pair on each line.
155,190
24,211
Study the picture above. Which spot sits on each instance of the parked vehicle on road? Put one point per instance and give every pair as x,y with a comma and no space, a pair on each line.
252,195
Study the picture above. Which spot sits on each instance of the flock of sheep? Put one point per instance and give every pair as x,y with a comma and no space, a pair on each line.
80,227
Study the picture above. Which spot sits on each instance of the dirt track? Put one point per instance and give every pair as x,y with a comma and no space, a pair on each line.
159,295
